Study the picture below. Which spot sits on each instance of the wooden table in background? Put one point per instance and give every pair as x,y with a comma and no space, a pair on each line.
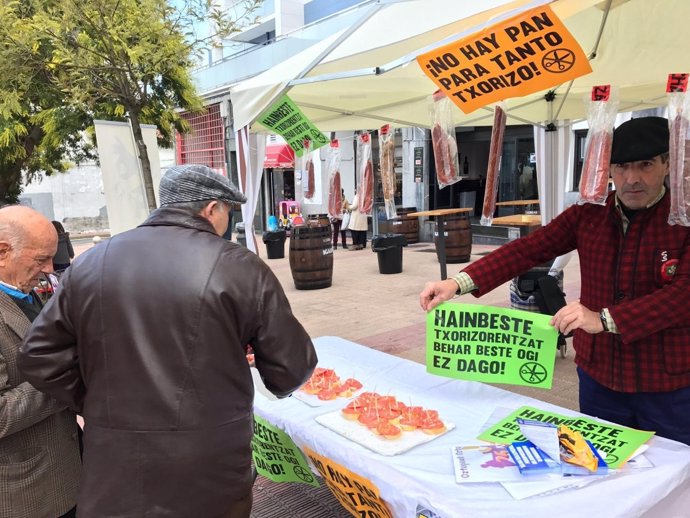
440,214
526,222
518,203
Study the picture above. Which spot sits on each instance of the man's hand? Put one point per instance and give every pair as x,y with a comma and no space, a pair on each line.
436,292
576,316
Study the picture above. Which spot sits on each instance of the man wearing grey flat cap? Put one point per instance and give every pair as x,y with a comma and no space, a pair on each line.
146,338
632,323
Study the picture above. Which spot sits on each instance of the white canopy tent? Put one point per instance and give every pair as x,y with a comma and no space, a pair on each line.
366,75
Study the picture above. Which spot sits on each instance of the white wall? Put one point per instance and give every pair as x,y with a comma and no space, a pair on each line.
78,193
289,15
76,197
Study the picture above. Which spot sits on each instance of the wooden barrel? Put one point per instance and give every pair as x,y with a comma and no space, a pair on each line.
458,233
403,224
318,220
311,257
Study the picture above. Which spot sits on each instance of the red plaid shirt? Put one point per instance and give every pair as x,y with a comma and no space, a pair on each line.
642,277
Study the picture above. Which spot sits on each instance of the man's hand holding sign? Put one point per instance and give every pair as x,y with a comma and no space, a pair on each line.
573,316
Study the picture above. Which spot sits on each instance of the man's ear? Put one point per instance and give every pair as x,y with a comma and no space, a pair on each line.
5,249
210,210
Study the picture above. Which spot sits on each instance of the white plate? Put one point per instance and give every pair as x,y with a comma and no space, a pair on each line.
360,434
313,400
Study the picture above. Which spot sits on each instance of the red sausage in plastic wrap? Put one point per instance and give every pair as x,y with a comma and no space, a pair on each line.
366,200
594,184
601,115
387,167
335,191
679,149
493,169
443,140
335,197
309,193
445,169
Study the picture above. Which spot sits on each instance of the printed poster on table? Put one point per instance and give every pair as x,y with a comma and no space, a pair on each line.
286,119
529,52
276,457
617,442
357,494
489,344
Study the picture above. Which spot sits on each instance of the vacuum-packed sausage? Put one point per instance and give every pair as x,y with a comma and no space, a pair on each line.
493,169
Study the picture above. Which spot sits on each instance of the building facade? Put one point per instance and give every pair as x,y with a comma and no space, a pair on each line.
286,27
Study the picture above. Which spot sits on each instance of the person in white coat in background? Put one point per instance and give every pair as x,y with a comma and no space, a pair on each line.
358,225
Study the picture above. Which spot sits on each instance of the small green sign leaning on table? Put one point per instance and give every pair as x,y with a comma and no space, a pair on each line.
489,344
277,457
617,442
287,120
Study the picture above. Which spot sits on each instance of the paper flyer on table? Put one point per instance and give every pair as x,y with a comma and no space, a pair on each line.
487,463
542,487
483,463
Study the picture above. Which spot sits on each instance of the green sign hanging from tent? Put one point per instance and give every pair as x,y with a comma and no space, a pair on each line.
493,345
288,121
277,457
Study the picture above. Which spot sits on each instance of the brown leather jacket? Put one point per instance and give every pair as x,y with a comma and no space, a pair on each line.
146,339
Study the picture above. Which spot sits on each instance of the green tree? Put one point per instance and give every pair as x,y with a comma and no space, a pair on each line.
39,133
124,59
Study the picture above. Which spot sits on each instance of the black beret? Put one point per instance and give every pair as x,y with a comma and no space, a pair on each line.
190,182
639,139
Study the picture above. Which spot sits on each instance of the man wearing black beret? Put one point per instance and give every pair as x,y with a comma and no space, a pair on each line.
632,323
146,338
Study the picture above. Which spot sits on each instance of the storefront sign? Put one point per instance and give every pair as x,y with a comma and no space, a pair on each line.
418,164
489,344
527,53
276,457
617,442
357,494
288,121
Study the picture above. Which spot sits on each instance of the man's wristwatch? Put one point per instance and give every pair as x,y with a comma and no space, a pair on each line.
602,317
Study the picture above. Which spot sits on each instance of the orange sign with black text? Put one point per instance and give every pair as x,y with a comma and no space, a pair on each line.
357,494
524,54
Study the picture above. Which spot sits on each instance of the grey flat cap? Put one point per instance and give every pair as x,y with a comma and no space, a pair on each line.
190,182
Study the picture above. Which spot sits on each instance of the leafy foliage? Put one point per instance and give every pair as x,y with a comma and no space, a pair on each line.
115,59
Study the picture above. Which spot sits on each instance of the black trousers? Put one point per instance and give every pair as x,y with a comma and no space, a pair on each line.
359,238
343,233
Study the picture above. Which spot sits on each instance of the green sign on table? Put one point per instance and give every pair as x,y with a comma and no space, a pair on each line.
276,456
288,121
489,344
617,442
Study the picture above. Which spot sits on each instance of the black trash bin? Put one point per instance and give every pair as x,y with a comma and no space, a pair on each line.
241,236
388,248
275,243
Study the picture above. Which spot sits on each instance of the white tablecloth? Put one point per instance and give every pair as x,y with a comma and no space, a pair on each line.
424,475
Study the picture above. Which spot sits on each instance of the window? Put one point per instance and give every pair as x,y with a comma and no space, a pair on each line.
580,140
